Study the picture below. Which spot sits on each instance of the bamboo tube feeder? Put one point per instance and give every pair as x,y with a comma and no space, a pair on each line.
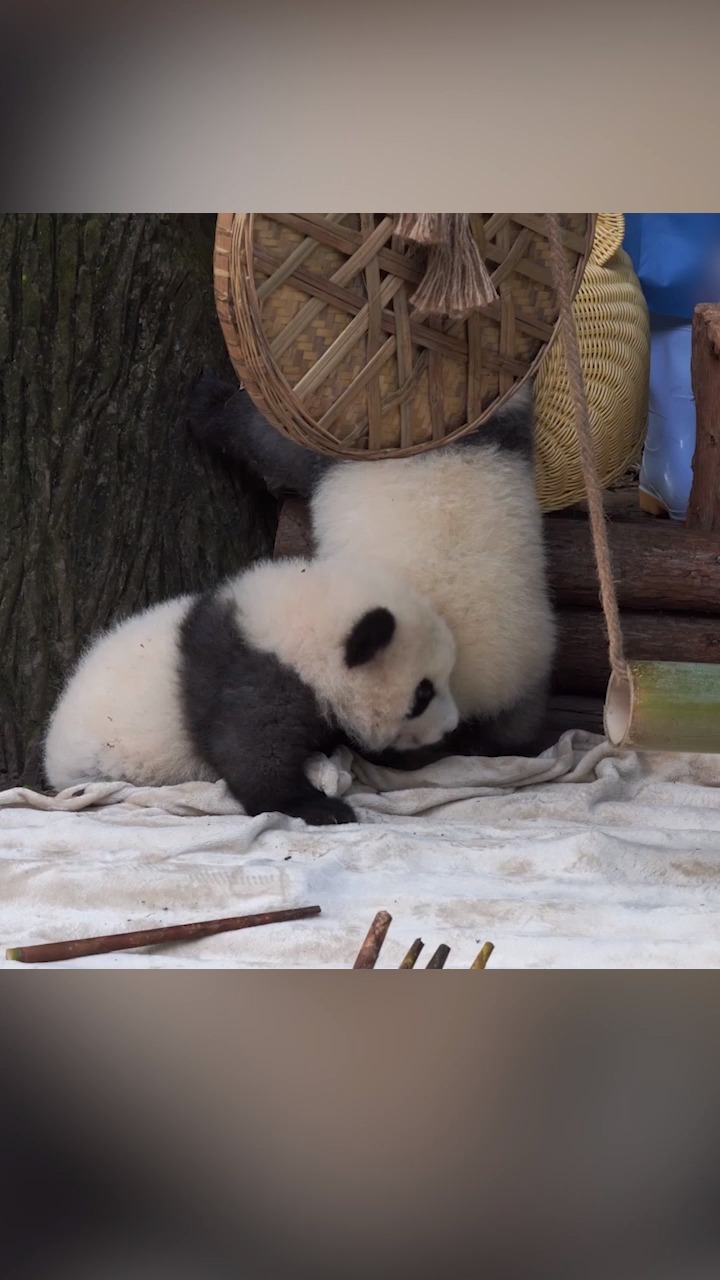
665,706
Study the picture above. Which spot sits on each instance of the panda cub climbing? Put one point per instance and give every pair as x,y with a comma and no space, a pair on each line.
246,682
461,523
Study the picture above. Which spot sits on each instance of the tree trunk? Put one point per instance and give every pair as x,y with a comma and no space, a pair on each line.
106,505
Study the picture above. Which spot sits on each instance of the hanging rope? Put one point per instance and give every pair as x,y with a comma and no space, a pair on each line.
593,488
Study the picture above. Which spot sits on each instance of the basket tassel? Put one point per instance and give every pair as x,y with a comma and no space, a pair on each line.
456,280
424,228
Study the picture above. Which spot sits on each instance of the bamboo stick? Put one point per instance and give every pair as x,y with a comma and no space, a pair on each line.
480,961
412,955
49,952
437,961
370,950
665,706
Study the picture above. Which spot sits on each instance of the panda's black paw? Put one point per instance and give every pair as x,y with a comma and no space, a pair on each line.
325,811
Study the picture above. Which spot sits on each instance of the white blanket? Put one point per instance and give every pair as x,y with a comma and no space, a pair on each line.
582,858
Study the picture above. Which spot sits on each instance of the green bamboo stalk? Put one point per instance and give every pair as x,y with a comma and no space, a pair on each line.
480,961
665,706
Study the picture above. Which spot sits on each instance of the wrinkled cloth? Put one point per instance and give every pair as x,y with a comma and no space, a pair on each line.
581,858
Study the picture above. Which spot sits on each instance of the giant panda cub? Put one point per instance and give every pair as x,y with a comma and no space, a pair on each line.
247,681
462,524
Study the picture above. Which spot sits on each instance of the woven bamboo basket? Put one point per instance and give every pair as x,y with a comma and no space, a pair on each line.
318,318
614,338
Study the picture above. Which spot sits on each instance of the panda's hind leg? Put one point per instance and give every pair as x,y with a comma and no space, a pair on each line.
518,730
223,418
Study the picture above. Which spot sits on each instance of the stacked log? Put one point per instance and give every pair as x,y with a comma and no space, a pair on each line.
668,583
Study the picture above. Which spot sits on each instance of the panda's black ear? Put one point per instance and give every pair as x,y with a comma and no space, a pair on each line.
371,633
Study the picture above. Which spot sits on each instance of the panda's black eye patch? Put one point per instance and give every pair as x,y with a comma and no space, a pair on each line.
424,694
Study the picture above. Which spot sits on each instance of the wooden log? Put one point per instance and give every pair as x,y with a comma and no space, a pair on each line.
582,665
704,506
573,711
657,565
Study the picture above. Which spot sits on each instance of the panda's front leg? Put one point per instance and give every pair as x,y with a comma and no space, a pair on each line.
317,809
284,790
265,771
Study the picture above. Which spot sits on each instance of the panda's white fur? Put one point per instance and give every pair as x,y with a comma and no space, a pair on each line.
120,717
463,526
302,610
461,523
126,711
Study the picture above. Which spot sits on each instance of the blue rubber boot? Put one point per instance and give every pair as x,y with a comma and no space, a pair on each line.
666,473
676,257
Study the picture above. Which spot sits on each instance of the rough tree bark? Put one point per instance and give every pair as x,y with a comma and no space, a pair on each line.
105,503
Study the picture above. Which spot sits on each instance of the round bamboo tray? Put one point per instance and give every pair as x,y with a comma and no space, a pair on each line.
614,339
317,316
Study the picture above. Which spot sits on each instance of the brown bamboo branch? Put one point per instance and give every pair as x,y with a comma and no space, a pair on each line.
437,961
370,949
48,953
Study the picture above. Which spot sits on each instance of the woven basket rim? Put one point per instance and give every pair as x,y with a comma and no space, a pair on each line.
322,440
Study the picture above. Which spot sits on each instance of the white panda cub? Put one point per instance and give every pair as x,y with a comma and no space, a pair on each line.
247,681
461,523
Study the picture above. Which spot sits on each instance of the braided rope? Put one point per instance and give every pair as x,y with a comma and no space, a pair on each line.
598,526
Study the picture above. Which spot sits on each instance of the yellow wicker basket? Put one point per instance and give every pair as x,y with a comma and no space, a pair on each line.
614,337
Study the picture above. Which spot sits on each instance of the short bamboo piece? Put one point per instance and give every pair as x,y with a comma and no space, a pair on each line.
412,955
665,706
437,961
368,954
480,961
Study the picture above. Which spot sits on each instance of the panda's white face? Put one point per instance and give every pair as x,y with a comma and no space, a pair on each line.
376,654
432,715
396,687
